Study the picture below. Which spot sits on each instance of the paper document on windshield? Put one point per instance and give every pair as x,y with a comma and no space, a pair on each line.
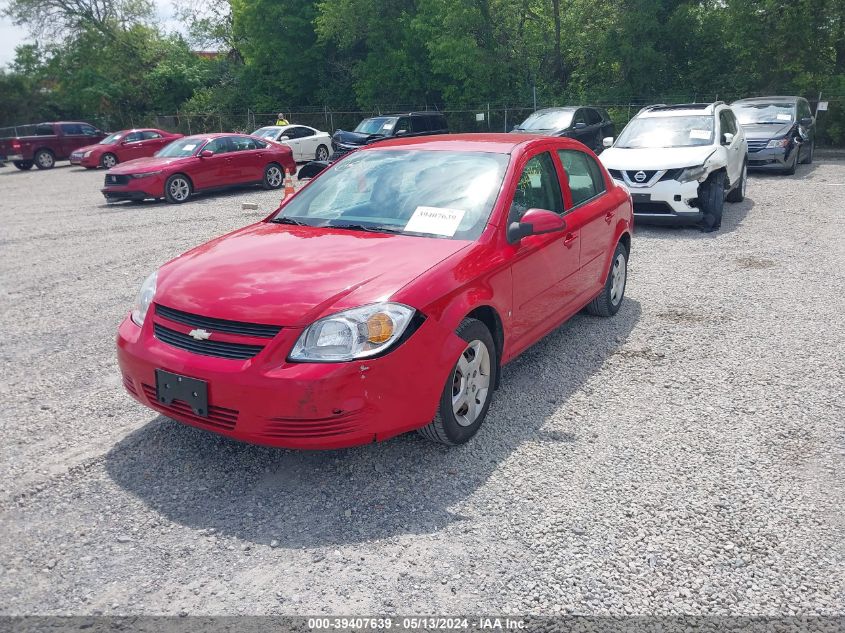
435,220
784,117
700,134
188,148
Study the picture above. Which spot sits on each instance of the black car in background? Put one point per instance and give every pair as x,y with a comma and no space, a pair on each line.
375,129
781,132
587,124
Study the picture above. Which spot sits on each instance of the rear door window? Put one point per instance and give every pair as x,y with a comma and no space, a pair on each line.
585,177
149,135
419,124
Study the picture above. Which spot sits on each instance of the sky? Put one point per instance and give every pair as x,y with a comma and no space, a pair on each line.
12,36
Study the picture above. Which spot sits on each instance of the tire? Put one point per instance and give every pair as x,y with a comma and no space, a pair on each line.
808,160
23,165
455,423
737,194
711,197
178,189
108,160
609,300
322,153
44,159
274,176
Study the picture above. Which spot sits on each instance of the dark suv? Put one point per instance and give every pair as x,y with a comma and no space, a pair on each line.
587,124
781,131
375,129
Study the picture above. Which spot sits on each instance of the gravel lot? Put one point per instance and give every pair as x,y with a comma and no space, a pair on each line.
686,456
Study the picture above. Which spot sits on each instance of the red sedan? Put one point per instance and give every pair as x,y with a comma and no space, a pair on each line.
383,297
200,163
121,147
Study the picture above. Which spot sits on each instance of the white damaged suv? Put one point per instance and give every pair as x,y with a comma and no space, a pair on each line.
680,162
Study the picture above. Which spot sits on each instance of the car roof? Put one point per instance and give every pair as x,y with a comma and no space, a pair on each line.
495,143
559,109
679,109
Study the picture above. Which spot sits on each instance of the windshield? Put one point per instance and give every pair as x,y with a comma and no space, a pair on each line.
761,113
267,132
183,147
418,192
556,120
112,138
667,131
377,125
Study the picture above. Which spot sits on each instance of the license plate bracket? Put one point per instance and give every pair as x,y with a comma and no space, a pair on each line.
191,391
641,197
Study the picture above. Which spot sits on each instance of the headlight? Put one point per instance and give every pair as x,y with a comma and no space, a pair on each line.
778,142
357,333
144,299
693,173
145,174
88,153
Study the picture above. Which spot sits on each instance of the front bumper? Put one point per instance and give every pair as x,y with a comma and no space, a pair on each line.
79,159
776,158
134,188
268,400
666,202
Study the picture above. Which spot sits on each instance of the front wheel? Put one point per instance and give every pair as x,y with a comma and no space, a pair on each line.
44,159
322,153
23,165
711,197
808,159
469,389
609,300
177,189
790,169
273,176
108,160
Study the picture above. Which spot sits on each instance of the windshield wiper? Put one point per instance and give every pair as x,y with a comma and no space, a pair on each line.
285,220
772,122
368,229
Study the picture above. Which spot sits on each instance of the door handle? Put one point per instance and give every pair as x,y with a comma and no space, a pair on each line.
569,240
608,217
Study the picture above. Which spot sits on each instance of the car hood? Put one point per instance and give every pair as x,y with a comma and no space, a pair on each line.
90,148
766,131
665,158
354,138
150,163
292,275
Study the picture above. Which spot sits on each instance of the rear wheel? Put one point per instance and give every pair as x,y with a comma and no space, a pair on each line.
610,299
737,194
44,159
273,176
469,389
177,189
108,160
322,153
23,165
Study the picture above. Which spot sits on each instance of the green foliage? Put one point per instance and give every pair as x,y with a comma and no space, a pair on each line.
113,64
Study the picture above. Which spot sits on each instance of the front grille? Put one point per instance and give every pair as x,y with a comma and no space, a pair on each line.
218,417
631,173
301,429
755,145
219,349
112,179
218,325
652,207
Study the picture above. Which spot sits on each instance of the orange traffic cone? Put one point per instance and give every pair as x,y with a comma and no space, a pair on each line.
289,190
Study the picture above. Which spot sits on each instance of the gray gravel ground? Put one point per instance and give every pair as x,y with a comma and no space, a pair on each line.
686,456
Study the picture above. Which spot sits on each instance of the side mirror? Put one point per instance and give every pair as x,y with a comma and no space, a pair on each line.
607,141
579,125
535,222
206,153
284,138
402,132
807,121
727,138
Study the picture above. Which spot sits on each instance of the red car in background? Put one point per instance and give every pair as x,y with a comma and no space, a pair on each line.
384,296
202,162
121,147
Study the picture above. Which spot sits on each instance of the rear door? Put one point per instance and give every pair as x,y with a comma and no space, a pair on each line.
544,268
589,207
248,158
132,146
153,141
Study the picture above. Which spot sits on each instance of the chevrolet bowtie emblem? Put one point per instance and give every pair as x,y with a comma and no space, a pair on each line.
200,335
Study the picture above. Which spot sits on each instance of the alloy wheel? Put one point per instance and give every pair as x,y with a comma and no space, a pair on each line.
322,153
179,189
471,383
618,277
274,176
109,161
46,160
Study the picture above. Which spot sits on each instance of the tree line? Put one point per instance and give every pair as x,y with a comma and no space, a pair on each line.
109,60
